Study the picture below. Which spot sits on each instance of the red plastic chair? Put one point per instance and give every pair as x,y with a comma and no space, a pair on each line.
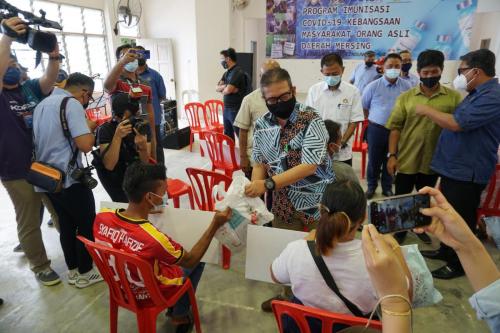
300,312
193,111
491,203
120,294
212,108
360,146
217,143
202,183
98,115
177,188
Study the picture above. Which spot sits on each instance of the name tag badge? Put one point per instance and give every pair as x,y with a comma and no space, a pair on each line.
344,105
28,120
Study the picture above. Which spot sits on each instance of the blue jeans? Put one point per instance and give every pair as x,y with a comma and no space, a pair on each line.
378,141
181,308
229,116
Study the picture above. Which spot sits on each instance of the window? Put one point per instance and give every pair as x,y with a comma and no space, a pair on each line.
82,40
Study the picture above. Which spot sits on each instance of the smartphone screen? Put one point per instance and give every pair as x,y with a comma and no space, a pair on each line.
399,213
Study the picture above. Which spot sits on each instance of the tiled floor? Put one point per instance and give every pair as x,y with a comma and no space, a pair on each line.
228,302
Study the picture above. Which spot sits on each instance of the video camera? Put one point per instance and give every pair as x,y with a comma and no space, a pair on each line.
38,40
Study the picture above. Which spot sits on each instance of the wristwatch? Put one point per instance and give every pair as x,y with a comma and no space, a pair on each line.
269,184
391,155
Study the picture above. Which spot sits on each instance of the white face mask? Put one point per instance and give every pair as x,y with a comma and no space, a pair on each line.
460,82
392,73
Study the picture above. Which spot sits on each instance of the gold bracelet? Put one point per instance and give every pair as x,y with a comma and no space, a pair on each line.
392,313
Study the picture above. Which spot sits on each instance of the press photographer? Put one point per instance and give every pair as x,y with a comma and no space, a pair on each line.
61,132
121,142
17,102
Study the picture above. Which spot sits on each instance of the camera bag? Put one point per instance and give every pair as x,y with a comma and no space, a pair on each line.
44,175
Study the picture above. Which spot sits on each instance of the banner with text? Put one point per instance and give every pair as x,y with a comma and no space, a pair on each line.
309,29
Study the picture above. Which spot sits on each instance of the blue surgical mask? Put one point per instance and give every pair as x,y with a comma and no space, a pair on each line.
12,76
392,73
132,66
333,80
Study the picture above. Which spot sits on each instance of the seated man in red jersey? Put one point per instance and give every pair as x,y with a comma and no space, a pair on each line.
129,230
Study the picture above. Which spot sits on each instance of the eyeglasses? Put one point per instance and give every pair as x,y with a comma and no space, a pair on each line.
281,98
460,70
89,95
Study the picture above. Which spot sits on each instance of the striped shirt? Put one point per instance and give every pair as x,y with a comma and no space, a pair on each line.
142,238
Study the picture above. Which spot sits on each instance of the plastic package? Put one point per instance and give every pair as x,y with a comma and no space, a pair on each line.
246,210
424,293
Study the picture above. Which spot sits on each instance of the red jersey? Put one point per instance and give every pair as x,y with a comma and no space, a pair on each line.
142,238
124,84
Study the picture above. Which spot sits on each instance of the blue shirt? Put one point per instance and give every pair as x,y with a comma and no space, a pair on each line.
154,79
486,302
379,98
471,154
412,78
303,140
363,75
51,146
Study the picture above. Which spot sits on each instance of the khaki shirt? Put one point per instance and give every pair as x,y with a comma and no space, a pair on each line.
252,108
419,135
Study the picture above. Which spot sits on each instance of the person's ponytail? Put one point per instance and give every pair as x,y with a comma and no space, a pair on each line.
331,228
343,208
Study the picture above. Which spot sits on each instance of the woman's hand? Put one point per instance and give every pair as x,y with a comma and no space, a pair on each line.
447,224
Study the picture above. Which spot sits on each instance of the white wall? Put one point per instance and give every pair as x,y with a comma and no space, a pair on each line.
212,36
486,26
176,19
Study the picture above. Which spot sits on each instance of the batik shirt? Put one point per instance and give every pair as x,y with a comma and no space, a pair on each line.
303,140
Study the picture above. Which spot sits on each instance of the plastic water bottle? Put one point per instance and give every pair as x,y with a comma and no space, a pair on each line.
443,45
466,20
414,37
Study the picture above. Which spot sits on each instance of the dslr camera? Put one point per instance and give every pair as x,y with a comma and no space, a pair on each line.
140,124
40,41
84,176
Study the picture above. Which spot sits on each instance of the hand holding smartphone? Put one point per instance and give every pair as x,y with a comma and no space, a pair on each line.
399,213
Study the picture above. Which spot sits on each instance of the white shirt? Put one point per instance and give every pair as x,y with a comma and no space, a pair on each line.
252,108
346,263
342,105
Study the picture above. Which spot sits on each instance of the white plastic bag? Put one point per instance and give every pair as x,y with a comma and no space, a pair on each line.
424,293
245,210
493,228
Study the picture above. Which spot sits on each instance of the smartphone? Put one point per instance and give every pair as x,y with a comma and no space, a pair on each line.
399,213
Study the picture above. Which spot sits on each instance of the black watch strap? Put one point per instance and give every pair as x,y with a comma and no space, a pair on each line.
269,184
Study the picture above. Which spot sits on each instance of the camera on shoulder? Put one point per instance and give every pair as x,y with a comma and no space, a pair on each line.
84,176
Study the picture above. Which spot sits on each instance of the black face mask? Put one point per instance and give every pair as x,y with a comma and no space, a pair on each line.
430,82
224,64
283,110
406,67
141,62
86,105
369,63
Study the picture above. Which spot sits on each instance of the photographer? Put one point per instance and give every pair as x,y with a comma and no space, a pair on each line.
123,78
120,144
17,102
74,204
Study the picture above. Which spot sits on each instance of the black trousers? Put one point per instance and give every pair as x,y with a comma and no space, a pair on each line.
112,183
160,157
75,207
405,183
465,198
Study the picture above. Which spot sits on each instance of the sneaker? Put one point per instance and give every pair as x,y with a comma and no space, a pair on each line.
18,248
88,279
72,276
370,194
266,306
48,277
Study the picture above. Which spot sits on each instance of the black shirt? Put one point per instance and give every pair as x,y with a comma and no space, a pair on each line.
234,76
128,151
